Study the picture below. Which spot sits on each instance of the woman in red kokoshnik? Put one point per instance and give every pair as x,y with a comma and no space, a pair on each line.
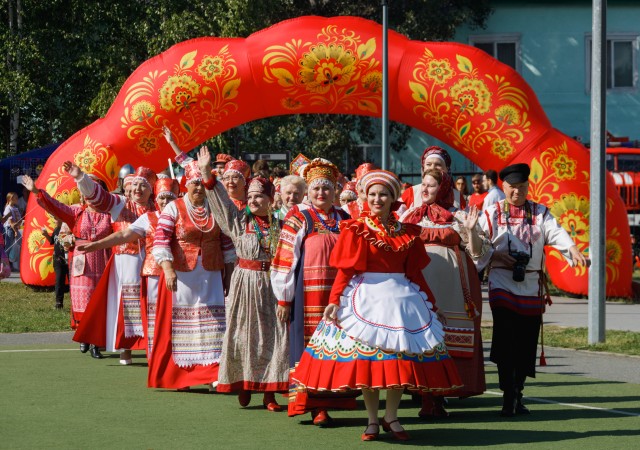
301,278
190,314
86,224
114,318
255,351
435,157
166,190
379,330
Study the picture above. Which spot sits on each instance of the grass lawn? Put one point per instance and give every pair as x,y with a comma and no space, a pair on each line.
24,310
63,399
623,342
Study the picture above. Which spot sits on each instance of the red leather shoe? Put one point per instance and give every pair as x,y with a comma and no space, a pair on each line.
397,435
371,436
244,397
321,418
269,402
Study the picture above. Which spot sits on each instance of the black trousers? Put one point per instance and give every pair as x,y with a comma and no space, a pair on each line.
62,273
514,347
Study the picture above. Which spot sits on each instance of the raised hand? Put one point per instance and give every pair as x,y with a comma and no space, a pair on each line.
28,182
168,135
471,218
204,159
72,169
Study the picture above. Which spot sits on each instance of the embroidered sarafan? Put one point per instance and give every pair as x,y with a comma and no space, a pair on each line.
394,238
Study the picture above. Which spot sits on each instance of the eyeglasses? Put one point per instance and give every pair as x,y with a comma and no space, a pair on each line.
235,178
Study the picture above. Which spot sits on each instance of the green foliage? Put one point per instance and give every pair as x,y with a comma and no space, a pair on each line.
62,68
623,342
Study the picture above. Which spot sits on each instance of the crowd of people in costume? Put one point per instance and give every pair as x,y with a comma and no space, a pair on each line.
309,284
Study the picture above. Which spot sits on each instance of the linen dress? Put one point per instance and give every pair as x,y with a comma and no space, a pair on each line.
453,279
255,350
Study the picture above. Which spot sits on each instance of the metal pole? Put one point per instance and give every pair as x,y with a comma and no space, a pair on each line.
385,86
597,286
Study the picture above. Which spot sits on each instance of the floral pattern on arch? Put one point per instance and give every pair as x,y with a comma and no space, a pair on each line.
200,90
450,97
337,72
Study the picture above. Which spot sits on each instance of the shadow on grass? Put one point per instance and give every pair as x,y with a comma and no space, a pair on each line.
453,437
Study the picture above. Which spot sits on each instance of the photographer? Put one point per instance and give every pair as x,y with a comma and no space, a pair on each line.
519,229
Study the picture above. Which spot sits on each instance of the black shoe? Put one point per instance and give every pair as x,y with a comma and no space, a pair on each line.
508,406
520,408
95,352
59,306
84,347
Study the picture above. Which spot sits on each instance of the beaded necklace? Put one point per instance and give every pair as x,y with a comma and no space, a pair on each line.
333,229
199,215
269,241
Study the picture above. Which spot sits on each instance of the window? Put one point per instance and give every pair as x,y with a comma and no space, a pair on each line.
504,47
622,72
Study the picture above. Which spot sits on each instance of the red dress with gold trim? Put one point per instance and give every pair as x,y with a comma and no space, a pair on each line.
387,334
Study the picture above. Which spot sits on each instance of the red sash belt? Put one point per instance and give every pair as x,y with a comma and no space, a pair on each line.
251,264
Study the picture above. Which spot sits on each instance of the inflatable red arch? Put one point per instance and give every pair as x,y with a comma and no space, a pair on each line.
456,93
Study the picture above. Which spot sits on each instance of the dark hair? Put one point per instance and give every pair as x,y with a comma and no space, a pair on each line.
260,166
279,172
492,175
466,187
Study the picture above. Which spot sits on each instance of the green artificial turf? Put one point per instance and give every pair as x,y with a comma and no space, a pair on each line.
64,399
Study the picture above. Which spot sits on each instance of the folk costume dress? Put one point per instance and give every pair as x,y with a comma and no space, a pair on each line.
86,268
387,335
517,307
145,226
113,318
190,322
453,279
301,277
255,352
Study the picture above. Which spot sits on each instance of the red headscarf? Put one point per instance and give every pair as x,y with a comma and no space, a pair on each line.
438,211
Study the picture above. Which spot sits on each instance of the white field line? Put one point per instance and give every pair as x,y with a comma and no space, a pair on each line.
572,405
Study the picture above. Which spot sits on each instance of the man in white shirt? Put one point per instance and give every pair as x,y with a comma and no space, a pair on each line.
519,229
494,193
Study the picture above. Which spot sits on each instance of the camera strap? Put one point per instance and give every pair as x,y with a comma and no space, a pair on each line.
528,218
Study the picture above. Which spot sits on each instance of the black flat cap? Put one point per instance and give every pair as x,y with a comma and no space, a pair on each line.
515,173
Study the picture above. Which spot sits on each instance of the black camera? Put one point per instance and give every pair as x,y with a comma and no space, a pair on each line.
520,266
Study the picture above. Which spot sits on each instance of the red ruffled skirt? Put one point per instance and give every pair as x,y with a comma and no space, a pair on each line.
333,361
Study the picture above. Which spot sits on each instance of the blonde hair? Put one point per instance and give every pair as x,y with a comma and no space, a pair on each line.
435,174
293,180
10,195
